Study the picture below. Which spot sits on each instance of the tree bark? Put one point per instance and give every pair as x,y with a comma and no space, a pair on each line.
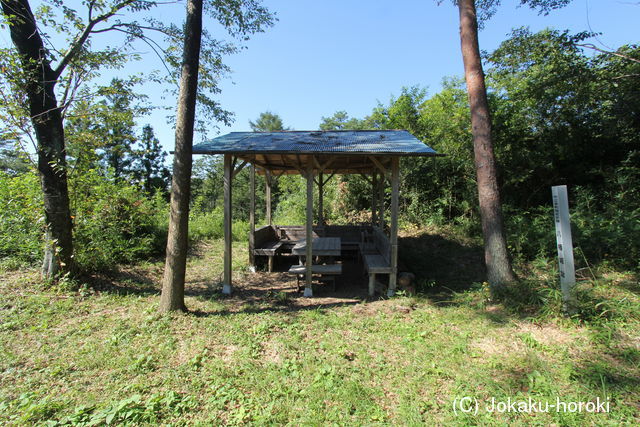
172,297
499,271
47,123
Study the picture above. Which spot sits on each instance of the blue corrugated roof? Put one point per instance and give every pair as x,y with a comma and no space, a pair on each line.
393,142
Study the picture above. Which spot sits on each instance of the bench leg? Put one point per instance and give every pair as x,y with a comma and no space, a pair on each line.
270,263
392,284
372,284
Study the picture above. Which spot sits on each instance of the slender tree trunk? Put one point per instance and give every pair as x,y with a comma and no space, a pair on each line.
47,123
499,269
172,297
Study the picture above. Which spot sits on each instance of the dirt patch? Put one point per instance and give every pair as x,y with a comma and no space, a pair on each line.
279,291
498,346
547,334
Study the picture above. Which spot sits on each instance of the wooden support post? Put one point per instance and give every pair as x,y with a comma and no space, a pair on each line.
228,176
381,201
320,199
252,217
374,200
395,190
268,179
308,292
372,284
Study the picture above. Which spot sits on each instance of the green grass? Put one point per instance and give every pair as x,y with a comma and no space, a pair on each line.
102,354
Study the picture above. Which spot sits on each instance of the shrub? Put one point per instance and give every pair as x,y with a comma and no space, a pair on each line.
210,225
21,219
115,222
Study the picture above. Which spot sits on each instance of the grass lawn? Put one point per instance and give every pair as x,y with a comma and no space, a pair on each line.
102,354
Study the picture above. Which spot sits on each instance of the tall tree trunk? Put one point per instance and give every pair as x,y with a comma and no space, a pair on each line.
172,297
47,122
499,269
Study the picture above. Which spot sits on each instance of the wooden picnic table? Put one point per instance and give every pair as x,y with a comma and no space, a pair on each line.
321,246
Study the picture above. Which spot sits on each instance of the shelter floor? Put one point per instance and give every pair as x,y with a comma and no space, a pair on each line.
351,287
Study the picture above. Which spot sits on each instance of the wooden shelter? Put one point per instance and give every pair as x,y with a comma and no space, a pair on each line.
317,156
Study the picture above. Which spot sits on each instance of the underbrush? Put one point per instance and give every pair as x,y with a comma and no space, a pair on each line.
210,225
600,296
113,222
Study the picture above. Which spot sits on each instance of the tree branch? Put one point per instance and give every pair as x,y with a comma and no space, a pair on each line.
84,35
621,55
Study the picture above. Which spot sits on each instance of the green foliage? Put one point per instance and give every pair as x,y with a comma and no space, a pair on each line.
21,218
149,167
267,122
207,189
210,225
115,222
341,121
13,161
114,124
291,208
559,117
134,410
240,19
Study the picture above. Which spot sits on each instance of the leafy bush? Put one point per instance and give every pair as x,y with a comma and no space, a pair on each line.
115,222
21,218
210,225
609,233
531,234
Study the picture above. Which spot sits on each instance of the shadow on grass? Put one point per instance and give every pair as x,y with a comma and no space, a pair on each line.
632,284
122,282
278,292
442,266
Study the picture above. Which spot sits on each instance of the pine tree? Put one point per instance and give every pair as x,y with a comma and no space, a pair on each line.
150,168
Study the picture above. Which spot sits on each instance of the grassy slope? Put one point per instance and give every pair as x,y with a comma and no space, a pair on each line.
107,356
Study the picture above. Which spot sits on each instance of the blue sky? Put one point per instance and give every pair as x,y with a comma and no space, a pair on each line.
324,56
330,55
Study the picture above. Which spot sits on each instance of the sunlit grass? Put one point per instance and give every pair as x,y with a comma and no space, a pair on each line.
107,356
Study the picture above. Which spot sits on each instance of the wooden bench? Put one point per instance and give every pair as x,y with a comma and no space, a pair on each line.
376,256
327,272
267,243
295,233
350,238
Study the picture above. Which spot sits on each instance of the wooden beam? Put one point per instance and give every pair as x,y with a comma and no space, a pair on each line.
339,171
381,185
228,177
299,165
308,291
252,216
374,200
239,168
366,178
272,167
328,178
328,163
379,165
317,164
320,183
395,190
267,196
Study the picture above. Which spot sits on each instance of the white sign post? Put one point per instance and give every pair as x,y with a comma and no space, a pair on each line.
565,244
